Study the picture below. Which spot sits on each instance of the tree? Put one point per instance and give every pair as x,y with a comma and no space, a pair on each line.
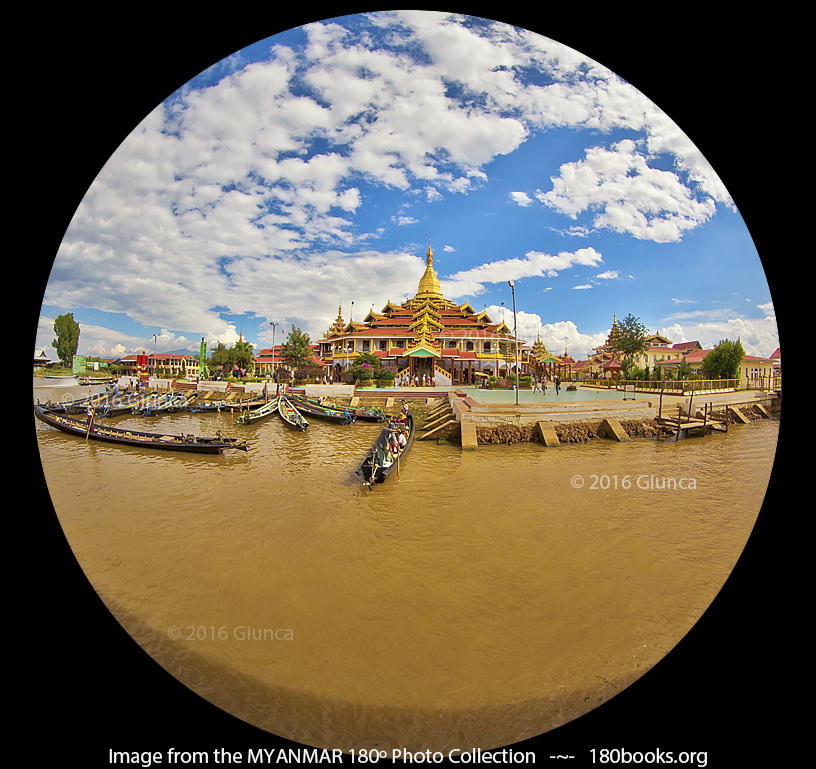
296,352
724,360
67,341
241,355
369,358
220,357
631,338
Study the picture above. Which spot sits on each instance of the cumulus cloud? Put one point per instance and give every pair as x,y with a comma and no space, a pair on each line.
557,337
521,198
533,264
226,198
628,195
759,336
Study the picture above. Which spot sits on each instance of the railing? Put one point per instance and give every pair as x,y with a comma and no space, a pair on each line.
445,375
688,385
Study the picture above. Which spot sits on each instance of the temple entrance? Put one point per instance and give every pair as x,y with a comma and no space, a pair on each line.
419,366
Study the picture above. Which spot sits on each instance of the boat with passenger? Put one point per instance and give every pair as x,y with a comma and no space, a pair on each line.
391,447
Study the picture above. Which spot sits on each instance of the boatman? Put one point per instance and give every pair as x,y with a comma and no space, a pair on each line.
89,410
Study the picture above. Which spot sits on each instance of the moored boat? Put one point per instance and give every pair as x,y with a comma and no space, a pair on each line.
340,416
248,417
121,436
290,415
386,454
370,414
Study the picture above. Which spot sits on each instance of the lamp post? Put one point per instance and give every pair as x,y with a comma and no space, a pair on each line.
155,358
274,326
515,334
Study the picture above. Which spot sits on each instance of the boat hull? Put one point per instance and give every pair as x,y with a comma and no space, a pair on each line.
189,443
290,415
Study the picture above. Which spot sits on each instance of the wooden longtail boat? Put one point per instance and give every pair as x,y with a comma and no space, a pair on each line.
248,417
370,414
339,416
190,443
290,415
381,460
363,413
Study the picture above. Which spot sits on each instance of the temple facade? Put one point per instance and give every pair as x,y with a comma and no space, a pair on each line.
427,335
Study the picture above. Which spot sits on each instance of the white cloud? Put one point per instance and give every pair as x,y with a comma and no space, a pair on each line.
628,194
534,264
767,308
521,198
608,275
557,337
586,285
224,186
759,336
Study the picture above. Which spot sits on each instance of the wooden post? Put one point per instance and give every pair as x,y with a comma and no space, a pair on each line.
679,417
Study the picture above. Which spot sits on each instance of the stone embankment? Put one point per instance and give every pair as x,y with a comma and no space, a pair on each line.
568,432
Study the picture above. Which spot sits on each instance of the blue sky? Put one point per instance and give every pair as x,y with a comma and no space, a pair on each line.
312,167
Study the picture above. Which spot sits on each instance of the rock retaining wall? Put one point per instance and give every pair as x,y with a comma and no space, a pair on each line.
567,432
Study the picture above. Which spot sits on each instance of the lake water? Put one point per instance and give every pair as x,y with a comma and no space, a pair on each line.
481,598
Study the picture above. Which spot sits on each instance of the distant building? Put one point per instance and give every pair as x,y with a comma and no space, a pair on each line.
751,368
42,361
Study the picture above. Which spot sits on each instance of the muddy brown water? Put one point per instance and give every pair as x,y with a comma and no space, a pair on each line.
482,598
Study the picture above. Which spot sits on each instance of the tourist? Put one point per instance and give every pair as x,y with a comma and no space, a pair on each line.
557,384
536,388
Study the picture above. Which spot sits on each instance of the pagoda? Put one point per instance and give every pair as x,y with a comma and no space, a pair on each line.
427,335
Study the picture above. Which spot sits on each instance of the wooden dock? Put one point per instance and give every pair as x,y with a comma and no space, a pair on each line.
680,424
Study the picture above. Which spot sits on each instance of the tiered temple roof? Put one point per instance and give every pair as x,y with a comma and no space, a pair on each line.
428,325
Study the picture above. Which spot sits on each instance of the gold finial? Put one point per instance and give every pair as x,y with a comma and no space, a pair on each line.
429,255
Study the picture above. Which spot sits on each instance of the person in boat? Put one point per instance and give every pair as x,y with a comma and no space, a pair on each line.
404,408
401,439
89,410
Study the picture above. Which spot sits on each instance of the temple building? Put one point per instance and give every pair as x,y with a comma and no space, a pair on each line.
427,335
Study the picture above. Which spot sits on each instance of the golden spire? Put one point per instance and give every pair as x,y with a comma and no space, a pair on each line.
429,283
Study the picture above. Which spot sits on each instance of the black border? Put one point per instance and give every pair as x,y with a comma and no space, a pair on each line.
86,683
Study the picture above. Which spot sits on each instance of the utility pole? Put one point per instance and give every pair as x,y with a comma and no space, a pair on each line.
515,334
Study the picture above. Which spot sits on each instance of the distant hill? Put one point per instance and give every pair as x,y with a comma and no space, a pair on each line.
175,352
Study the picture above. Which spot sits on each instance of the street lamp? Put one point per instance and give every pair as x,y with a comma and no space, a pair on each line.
515,334
274,326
